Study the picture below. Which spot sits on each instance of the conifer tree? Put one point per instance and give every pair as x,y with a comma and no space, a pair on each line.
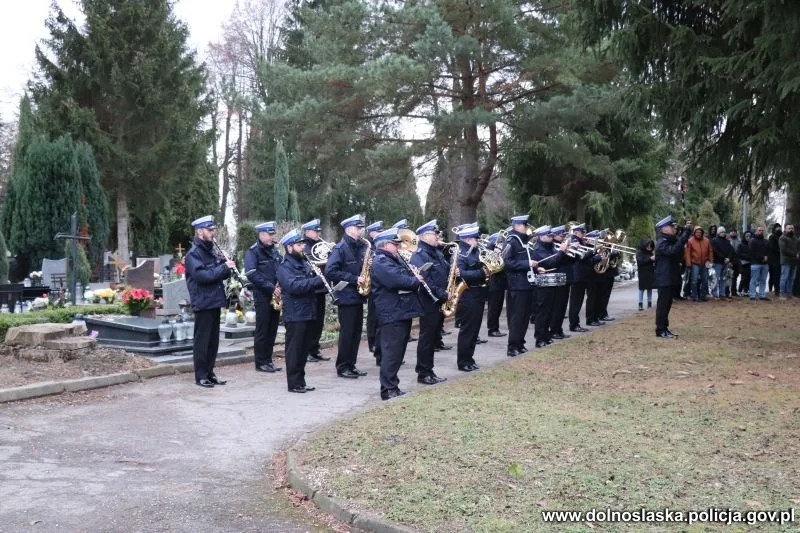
3,260
281,196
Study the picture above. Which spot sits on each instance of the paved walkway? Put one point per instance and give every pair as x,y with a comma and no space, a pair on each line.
166,455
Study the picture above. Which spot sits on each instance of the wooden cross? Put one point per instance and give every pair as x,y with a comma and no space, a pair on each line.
179,249
73,237
117,267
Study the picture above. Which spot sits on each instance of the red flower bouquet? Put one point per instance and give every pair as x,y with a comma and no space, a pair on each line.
136,300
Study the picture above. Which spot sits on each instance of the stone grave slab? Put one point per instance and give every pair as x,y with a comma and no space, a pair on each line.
57,268
174,293
133,334
241,331
141,277
38,334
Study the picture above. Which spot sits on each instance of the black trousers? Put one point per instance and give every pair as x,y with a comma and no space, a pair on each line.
206,342
560,303
267,320
592,295
518,313
393,338
576,292
534,305
775,277
315,332
495,307
298,342
351,322
372,322
545,297
459,318
744,282
430,330
606,286
663,306
470,327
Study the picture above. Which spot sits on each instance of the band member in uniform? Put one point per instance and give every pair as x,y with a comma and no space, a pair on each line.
669,252
548,257
261,261
298,287
205,272
605,288
582,269
430,323
593,282
519,268
497,293
400,224
346,263
561,296
471,271
396,303
311,235
373,230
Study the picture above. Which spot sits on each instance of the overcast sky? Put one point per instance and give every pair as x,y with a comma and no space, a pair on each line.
22,27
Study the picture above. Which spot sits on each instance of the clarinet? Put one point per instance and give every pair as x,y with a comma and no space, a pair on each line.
241,278
328,287
416,273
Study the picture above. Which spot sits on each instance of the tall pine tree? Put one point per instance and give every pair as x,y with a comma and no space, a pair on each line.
94,207
11,207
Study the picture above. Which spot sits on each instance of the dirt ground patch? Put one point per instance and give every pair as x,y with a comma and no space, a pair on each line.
16,371
618,419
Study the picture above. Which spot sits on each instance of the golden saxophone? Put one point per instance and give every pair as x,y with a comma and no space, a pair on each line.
276,302
366,270
454,290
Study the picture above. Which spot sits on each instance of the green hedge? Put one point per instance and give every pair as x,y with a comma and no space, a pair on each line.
60,315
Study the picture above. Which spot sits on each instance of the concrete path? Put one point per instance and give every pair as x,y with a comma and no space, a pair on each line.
166,455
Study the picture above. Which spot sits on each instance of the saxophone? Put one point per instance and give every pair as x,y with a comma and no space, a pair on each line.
454,290
276,302
366,270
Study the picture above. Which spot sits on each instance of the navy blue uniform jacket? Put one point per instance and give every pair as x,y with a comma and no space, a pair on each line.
471,271
544,250
344,264
669,253
435,276
298,289
263,261
394,289
516,259
205,273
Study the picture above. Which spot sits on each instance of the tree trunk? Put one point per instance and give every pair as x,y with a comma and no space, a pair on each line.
226,179
793,205
123,220
239,178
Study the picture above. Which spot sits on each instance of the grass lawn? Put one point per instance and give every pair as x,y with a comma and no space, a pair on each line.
618,419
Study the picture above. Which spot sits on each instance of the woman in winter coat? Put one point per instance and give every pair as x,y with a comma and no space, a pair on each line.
745,258
645,264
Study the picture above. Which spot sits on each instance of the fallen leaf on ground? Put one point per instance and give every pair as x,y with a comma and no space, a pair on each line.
616,372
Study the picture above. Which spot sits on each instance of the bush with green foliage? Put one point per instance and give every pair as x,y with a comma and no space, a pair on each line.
82,266
3,261
62,315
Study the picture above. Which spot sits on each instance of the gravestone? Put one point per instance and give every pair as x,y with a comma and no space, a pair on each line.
54,267
155,261
134,334
141,277
174,293
164,262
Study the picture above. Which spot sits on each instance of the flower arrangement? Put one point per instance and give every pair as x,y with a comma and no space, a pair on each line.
180,269
36,278
107,295
136,300
41,302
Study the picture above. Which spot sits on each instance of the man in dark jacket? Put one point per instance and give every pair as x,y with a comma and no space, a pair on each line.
581,270
561,296
372,327
745,257
345,263
472,300
645,263
520,274
790,257
298,287
723,259
669,251
594,285
311,235
547,256
205,272
261,262
396,303
774,257
497,292
430,323
759,252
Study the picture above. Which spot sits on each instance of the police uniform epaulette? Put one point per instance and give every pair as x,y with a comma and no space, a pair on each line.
254,246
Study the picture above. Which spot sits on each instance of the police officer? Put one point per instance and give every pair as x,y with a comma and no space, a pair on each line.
472,301
298,287
547,257
519,268
372,230
497,293
582,269
397,303
261,262
669,251
400,224
345,263
205,272
430,323
561,296
593,283
605,288
311,235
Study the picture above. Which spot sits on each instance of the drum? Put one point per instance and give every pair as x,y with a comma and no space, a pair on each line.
551,279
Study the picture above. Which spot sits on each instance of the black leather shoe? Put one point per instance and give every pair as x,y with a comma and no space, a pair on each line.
354,370
666,334
578,330
269,367
310,359
298,390
427,380
216,381
522,349
541,344
607,318
512,352
394,393
371,349
496,333
443,346
559,336
205,383
319,357
596,323
481,341
440,380
548,342
309,389
377,361
649,305
669,332
349,374
466,368
474,367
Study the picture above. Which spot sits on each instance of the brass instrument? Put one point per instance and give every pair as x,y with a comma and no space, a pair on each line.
492,261
366,270
607,246
320,251
276,302
454,289
408,242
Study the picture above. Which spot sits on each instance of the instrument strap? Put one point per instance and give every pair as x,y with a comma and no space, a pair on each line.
527,251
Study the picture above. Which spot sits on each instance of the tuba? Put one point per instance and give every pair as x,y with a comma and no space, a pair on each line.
454,289
366,270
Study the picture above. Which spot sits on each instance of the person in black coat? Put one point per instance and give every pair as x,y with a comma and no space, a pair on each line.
520,274
645,265
594,288
669,253
205,272
759,267
547,256
561,297
261,262
372,325
396,303
497,292
472,300
299,285
345,263
311,234
582,269
430,323
774,259
745,258
723,258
